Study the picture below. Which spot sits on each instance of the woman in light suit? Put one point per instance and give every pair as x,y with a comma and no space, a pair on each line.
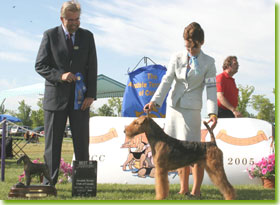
188,72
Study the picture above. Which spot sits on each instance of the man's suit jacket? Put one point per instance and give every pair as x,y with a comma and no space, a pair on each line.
187,91
53,60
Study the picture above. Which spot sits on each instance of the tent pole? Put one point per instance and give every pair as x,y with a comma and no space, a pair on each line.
3,150
145,60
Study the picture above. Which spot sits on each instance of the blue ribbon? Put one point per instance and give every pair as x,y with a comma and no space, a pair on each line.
193,59
80,90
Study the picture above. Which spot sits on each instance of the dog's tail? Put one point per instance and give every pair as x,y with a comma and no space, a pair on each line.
210,131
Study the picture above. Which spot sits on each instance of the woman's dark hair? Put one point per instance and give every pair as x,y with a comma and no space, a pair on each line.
194,33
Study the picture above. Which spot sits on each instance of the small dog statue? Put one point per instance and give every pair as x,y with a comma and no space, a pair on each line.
31,168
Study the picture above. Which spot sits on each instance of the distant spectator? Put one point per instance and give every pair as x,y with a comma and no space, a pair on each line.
227,92
26,135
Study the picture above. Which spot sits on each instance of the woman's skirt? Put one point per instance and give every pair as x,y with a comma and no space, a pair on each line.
183,124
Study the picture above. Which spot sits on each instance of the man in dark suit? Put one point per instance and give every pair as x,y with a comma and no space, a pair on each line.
64,51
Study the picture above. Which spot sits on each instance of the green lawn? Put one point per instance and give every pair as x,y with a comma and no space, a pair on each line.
119,191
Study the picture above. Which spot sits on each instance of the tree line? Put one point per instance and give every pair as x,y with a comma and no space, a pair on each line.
260,103
35,118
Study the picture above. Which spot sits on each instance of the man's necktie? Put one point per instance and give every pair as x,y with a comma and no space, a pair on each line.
69,44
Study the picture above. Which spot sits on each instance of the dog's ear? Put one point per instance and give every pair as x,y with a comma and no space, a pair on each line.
141,120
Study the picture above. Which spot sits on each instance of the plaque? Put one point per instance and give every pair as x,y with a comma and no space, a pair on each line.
32,191
84,178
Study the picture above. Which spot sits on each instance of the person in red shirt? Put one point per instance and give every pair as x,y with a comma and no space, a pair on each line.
227,92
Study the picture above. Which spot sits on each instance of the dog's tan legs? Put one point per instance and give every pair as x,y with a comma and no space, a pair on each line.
184,174
215,169
162,185
219,179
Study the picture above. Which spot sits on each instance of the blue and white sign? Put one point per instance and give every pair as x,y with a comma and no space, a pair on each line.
140,88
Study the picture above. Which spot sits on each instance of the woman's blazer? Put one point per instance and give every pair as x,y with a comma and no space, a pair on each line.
186,91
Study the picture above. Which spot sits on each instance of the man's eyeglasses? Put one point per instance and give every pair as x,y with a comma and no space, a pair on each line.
72,20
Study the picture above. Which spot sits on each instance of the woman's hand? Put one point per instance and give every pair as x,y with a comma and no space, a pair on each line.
214,119
149,107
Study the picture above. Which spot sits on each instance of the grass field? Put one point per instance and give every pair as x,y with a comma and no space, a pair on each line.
120,191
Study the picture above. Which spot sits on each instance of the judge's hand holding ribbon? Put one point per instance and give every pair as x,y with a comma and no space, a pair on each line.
68,77
87,102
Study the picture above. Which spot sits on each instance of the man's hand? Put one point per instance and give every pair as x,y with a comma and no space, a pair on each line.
87,102
68,77
236,113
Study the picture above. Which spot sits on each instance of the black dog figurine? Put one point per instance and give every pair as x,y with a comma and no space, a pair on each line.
31,168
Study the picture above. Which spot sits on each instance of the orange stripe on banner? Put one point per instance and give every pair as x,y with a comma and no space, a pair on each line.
103,138
222,135
138,114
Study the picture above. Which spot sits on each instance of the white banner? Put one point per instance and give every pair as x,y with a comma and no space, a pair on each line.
242,140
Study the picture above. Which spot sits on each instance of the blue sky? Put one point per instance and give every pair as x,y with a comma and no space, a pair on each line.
125,31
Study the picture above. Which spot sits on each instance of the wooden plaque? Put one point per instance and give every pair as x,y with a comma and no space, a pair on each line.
84,178
32,191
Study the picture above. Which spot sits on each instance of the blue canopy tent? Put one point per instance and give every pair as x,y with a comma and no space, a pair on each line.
9,118
3,150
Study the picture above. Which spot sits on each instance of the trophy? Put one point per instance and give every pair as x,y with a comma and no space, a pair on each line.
33,191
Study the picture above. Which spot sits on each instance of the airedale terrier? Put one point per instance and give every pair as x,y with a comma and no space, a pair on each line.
31,168
169,154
